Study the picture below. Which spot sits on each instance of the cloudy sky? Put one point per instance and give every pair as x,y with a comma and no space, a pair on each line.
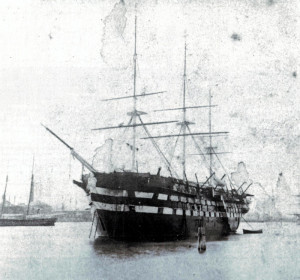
59,59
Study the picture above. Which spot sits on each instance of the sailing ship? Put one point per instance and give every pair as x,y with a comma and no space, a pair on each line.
28,219
130,205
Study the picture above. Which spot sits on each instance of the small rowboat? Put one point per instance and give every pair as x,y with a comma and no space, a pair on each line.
248,231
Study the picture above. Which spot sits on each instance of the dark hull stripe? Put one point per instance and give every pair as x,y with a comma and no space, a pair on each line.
152,189
133,181
121,196
158,210
155,202
140,201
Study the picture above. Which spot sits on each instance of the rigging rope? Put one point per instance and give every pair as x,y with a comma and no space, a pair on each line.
257,183
120,141
70,165
126,128
173,151
199,150
168,164
230,182
207,165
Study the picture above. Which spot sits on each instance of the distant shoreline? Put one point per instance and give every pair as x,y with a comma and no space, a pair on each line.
73,216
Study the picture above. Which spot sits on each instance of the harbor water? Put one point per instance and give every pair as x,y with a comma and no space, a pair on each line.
66,252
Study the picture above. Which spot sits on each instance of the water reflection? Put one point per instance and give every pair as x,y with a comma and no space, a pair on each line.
65,252
119,249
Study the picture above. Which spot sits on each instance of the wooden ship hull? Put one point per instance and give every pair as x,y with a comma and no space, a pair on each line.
137,206
28,222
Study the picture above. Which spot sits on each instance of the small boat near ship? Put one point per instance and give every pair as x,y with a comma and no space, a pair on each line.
25,220
249,231
140,206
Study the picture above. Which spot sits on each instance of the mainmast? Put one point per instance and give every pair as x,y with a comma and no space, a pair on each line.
134,113
186,131
210,136
184,118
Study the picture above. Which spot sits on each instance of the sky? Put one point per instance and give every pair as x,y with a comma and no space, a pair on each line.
60,59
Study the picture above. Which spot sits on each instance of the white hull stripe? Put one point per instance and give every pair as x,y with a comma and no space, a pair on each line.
111,207
179,212
149,195
146,209
168,211
191,200
110,192
162,196
143,194
183,199
154,210
174,198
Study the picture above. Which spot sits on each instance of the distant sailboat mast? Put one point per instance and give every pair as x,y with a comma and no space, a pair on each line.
31,195
4,196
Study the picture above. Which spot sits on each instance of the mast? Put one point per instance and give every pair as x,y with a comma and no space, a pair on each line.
31,195
135,115
185,126
210,136
4,196
184,117
133,164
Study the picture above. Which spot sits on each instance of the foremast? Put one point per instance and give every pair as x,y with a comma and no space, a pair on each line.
135,115
134,122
